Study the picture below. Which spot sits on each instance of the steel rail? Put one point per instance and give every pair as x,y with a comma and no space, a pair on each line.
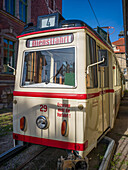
11,153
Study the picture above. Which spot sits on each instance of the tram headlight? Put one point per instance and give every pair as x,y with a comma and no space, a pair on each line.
42,122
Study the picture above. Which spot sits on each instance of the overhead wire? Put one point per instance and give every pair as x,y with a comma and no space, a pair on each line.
93,12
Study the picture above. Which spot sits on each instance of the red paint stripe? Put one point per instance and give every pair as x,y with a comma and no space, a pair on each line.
62,29
108,91
52,30
52,143
62,95
92,95
51,95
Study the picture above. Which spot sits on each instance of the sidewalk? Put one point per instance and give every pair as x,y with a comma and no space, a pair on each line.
120,134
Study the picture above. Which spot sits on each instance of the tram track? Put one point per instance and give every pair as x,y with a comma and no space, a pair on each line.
45,159
41,158
30,159
19,159
34,157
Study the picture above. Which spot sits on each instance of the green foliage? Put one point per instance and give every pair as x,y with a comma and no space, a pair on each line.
6,124
116,161
118,154
101,157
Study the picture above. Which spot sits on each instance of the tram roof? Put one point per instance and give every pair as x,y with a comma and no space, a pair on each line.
60,24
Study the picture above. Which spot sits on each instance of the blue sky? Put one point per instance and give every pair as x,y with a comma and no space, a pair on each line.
108,12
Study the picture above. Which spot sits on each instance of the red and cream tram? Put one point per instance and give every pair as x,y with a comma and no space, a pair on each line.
68,85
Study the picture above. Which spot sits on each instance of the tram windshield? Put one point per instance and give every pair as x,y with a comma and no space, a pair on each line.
49,68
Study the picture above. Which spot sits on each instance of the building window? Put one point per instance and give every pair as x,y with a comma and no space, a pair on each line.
23,10
8,55
10,6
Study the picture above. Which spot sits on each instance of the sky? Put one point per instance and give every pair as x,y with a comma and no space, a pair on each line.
108,13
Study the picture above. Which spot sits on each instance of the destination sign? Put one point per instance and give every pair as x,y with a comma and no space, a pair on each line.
50,41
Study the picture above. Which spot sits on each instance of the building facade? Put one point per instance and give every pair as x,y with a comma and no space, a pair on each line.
119,50
14,14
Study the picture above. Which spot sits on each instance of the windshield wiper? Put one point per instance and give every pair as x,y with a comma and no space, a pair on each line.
48,81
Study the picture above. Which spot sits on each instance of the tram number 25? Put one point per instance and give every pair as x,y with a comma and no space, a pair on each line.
43,108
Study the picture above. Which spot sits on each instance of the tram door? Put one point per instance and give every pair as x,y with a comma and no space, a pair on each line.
104,86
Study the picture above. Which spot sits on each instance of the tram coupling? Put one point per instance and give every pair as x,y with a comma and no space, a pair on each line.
72,162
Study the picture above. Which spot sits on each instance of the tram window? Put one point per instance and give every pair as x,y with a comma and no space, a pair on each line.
91,58
49,68
118,79
114,73
106,76
98,48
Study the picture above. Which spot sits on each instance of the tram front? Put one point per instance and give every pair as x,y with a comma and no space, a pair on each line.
49,95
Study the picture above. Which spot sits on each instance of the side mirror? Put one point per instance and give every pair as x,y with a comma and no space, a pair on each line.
103,54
